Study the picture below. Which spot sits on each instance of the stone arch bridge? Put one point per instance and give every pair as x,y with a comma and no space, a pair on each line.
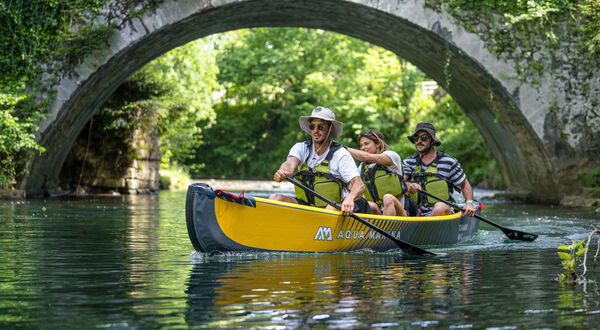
539,146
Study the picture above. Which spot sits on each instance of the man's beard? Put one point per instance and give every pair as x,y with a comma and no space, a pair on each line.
426,150
322,140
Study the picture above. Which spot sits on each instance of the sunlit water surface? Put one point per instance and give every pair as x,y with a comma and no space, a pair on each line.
127,262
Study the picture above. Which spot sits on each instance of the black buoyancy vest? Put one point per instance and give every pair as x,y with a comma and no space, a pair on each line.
320,179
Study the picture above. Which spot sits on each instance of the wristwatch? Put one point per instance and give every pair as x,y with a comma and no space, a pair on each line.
469,201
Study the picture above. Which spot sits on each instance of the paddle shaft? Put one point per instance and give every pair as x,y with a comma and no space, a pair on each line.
511,233
404,246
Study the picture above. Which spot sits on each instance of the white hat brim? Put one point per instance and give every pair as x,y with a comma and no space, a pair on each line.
335,132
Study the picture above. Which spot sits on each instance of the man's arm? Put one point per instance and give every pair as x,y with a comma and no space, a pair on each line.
467,192
412,187
357,188
286,169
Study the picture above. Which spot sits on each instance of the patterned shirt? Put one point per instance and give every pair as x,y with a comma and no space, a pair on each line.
448,167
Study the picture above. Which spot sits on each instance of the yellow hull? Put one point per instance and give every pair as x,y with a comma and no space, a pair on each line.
217,224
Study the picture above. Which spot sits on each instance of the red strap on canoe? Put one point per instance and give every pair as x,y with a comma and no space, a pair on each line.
479,207
240,199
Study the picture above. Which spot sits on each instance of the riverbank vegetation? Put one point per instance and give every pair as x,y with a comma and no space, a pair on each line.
574,257
40,41
519,29
232,111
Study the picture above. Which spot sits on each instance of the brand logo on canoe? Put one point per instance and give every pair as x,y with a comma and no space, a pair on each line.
359,235
323,234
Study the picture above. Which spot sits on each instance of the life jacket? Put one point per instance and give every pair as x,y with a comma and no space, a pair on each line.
379,181
431,181
320,179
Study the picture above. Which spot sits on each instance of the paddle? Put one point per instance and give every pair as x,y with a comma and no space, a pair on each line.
510,233
404,246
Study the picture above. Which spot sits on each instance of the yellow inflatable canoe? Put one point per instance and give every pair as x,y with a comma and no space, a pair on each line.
220,221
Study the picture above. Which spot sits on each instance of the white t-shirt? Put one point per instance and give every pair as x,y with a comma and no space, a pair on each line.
397,167
341,166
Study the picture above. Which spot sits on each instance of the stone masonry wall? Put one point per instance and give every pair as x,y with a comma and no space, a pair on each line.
113,165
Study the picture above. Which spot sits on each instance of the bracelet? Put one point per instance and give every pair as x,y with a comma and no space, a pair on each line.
469,201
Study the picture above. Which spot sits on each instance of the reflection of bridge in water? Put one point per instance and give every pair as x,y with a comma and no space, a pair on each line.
537,129
293,290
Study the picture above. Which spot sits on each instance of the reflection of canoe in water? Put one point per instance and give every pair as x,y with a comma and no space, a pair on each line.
292,283
220,221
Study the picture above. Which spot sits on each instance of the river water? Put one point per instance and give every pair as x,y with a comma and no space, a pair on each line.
127,262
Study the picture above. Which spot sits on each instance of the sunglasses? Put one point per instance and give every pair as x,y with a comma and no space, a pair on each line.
423,138
320,127
370,133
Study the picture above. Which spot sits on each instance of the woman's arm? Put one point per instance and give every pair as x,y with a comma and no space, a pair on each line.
381,159
357,188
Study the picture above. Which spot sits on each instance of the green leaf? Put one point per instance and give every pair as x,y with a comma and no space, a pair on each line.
564,256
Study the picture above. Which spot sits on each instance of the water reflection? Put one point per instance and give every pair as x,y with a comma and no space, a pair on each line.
64,257
79,259
144,225
341,290
124,262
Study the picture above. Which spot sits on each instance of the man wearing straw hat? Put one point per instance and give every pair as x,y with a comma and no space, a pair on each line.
324,166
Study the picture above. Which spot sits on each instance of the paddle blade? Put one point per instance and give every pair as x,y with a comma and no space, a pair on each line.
404,246
415,250
519,235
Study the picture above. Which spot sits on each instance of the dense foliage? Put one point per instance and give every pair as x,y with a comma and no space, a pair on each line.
591,181
270,77
267,77
16,139
188,77
518,29
166,98
43,38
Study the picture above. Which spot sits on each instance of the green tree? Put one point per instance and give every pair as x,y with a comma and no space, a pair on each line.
187,77
272,76
17,141
460,138
171,93
45,38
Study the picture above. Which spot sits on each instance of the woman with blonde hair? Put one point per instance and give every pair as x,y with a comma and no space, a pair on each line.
381,171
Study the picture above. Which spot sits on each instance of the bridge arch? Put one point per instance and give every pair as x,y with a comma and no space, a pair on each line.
456,59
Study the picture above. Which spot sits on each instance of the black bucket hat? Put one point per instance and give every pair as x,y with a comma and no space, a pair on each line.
427,127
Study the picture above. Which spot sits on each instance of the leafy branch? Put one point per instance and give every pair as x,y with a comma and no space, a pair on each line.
46,39
573,254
